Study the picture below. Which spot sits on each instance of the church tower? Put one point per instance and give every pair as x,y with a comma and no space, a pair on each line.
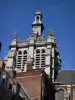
41,51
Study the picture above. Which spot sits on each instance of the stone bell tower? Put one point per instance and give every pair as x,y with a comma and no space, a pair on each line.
43,51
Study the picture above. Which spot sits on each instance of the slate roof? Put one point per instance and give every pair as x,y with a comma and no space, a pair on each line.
66,76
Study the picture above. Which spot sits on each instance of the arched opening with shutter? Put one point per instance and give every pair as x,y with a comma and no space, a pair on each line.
40,58
19,52
43,58
37,62
19,59
24,57
25,52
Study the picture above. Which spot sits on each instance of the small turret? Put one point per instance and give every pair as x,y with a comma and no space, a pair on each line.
37,25
14,41
51,32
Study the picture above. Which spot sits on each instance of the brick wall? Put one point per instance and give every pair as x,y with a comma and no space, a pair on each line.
31,85
34,85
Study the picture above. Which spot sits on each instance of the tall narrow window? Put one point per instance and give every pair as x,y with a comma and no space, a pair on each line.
37,58
40,58
24,57
43,58
19,59
37,18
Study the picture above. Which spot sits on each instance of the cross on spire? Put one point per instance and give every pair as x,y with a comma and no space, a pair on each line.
15,35
38,5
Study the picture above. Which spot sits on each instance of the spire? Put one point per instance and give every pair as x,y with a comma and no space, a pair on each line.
14,40
15,35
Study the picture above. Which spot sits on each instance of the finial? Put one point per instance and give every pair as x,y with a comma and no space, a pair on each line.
38,5
51,32
15,35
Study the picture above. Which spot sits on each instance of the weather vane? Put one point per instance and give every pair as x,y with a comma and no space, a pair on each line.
39,3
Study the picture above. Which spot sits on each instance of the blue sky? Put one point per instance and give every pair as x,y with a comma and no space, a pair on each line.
59,15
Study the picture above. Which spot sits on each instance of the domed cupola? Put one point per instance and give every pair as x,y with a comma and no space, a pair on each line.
37,25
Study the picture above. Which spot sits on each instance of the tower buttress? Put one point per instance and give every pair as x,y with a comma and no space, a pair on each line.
10,60
53,61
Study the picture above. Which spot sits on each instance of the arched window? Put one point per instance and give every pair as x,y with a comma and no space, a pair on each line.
37,51
19,59
24,57
40,58
19,52
74,94
43,58
43,50
37,58
37,18
25,52
60,94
